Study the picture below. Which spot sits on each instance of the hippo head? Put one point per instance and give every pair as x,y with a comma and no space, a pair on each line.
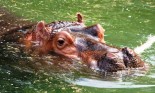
87,43
94,53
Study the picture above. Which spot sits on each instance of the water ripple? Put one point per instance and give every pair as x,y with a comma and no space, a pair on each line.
107,84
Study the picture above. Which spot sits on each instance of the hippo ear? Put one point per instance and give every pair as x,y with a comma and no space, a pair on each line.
41,31
40,26
100,32
96,31
79,17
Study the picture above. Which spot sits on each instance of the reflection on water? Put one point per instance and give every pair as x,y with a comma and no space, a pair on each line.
107,84
152,75
127,23
146,45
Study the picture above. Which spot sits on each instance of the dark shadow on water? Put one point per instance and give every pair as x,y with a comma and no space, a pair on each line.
9,23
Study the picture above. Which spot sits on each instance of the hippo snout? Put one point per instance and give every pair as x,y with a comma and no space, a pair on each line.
111,62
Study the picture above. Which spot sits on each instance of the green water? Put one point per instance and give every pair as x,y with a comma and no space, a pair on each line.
127,23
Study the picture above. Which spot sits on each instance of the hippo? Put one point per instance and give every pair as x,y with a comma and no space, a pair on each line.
82,43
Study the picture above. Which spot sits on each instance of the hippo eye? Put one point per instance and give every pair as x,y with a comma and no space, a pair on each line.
61,42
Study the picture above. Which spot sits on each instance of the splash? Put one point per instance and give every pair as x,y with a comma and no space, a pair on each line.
146,45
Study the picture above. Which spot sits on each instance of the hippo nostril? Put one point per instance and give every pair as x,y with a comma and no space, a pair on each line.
61,41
